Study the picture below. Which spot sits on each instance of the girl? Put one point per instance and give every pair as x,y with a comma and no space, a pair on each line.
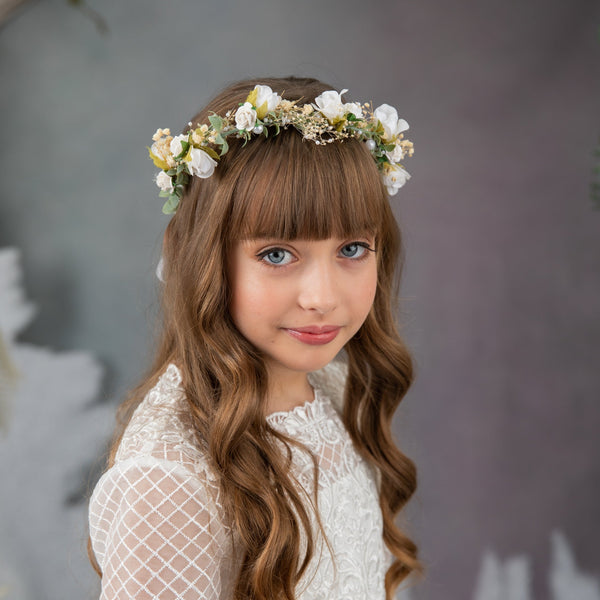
249,464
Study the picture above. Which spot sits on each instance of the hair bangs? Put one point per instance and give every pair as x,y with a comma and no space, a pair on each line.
289,188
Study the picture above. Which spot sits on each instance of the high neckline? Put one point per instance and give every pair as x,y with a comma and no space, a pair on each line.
278,415
308,412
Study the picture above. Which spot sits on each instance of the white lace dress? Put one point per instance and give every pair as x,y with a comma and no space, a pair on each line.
155,516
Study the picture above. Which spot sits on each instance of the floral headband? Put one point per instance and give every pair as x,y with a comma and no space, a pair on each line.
197,152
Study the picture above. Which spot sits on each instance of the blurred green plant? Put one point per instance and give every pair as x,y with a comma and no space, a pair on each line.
11,8
92,14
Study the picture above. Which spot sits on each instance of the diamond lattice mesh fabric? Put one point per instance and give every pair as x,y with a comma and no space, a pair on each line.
157,525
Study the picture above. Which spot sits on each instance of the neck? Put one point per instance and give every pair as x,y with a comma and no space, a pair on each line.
287,390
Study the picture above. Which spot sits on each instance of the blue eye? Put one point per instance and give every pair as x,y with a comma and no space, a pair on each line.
354,250
276,256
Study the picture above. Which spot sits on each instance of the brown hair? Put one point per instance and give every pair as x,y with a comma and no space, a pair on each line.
281,187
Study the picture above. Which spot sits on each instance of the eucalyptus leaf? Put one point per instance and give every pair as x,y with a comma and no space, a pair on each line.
224,146
170,206
216,121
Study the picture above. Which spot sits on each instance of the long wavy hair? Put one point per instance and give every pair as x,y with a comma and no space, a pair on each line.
280,187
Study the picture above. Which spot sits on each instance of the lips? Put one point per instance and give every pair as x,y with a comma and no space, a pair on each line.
314,335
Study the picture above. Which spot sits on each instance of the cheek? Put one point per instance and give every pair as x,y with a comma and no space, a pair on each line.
366,291
254,299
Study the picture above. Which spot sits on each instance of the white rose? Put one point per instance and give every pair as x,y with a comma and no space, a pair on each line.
176,147
163,181
394,177
388,117
330,104
266,94
354,108
397,154
201,164
245,116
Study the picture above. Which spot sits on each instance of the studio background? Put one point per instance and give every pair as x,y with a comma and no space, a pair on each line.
501,284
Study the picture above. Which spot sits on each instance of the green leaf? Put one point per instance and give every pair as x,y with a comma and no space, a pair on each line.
170,206
216,121
210,151
185,150
224,146
182,179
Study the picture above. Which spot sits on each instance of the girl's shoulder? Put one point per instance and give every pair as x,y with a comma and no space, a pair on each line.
331,381
160,427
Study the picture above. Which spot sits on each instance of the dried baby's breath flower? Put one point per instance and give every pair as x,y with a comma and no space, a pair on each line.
326,121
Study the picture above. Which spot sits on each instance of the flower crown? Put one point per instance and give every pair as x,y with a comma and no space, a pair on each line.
264,112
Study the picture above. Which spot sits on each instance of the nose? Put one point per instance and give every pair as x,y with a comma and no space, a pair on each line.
318,288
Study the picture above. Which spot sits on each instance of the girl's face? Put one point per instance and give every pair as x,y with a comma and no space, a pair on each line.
300,301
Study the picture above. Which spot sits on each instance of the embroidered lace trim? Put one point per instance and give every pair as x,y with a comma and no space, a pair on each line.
156,520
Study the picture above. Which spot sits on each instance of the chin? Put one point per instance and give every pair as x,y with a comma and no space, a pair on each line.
310,363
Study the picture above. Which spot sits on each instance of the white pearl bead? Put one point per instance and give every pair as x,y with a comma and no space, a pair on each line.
371,145
258,129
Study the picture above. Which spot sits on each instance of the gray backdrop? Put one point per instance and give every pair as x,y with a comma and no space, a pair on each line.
501,287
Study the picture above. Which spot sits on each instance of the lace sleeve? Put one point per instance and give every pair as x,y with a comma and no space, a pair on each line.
156,533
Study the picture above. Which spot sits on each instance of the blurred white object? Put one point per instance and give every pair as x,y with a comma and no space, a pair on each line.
566,581
508,581
160,269
15,314
55,433
511,580
15,311
8,377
